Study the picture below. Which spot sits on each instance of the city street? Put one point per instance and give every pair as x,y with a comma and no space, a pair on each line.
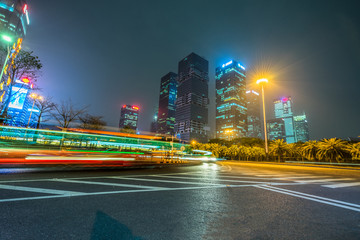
209,201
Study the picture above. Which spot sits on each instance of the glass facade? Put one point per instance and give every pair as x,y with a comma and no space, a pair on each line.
283,109
231,103
167,107
253,114
129,117
301,128
276,129
192,99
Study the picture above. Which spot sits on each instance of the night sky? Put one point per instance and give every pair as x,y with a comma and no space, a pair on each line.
109,53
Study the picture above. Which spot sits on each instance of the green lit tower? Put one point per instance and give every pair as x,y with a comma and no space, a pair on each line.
231,105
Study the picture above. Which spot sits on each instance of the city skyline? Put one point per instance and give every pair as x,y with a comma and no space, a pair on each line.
300,68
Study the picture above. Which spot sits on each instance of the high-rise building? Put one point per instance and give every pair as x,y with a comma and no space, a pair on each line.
14,18
129,117
231,105
253,114
301,128
276,129
283,110
20,106
192,99
154,123
167,107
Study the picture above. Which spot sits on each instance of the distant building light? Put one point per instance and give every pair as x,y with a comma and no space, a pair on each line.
255,92
227,64
241,66
33,110
247,91
124,106
135,107
284,99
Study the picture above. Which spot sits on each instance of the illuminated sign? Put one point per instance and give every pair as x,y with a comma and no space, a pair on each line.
18,97
124,106
135,107
227,64
26,12
241,66
284,99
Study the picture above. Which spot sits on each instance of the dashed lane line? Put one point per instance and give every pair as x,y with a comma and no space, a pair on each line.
167,181
328,201
341,185
106,184
325,180
209,179
38,190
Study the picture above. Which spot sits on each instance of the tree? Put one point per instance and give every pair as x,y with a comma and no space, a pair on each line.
92,122
127,129
232,152
354,150
309,150
278,148
25,65
332,149
45,106
65,113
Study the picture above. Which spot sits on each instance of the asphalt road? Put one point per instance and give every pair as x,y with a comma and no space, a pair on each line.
209,201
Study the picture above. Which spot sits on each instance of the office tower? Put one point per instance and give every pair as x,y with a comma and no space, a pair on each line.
14,18
167,107
283,110
301,128
154,123
253,114
231,105
191,117
276,129
129,117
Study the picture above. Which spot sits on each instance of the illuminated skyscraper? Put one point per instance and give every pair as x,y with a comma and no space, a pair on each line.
192,99
253,114
167,107
14,18
276,129
231,105
301,128
129,117
283,110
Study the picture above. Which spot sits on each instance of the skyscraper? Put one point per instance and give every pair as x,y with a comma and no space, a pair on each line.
129,117
301,128
231,105
167,107
276,129
192,99
283,110
253,114
14,18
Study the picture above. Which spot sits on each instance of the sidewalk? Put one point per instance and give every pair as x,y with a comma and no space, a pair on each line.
353,166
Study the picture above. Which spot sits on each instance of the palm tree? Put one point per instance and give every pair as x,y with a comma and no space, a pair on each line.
310,149
354,150
332,149
278,148
232,152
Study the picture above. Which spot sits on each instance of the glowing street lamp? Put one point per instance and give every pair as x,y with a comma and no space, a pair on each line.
229,132
35,97
262,82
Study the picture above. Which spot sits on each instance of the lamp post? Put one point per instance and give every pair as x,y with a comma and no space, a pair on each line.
33,96
261,82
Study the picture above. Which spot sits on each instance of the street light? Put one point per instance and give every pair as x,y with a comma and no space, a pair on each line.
228,132
35,97
261,82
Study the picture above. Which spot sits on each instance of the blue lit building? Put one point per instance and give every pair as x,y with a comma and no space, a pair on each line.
191,117
167,106
253,114
231,104
14,18
301,128
283,110
20,111
129,117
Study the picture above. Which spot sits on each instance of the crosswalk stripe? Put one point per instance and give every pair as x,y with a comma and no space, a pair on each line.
167,181
105,184
209,179
341,185
325,180
38,190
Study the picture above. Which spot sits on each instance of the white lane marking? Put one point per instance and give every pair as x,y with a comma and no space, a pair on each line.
46,158
282,175
38,190
118,192
325,180
340,185
327,201
208,179
167,181
314,196
105,184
